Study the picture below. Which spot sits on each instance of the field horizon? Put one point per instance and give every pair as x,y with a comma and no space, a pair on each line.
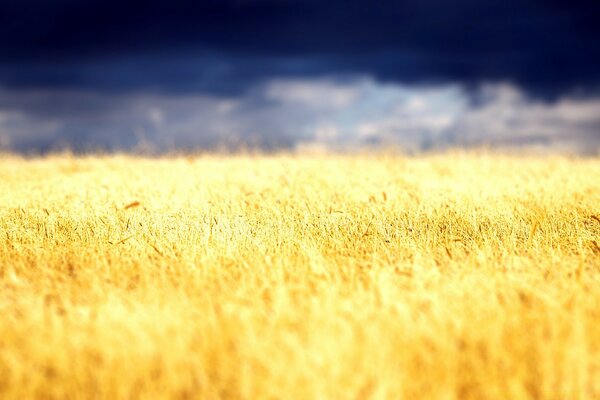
455,275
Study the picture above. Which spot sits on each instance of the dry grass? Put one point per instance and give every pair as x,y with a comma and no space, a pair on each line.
454,276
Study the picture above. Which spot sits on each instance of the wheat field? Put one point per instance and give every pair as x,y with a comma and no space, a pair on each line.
448,276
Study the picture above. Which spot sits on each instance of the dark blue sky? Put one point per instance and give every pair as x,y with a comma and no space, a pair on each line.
225,45
226,49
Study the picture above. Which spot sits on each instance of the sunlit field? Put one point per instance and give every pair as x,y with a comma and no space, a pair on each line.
453,276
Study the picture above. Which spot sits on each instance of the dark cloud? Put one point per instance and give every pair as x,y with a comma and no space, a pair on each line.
226,46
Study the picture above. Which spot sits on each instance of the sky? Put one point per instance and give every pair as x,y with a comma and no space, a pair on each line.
418,75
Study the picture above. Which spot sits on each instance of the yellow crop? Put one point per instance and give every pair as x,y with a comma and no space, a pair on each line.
454,276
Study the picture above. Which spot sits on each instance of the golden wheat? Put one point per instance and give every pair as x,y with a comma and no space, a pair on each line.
455,276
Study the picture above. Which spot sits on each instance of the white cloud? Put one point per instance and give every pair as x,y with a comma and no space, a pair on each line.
507,117
308,113
322,94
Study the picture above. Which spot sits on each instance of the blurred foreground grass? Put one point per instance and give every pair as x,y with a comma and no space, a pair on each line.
452,276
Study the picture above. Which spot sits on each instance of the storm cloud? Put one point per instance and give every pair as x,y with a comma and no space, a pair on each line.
226,46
